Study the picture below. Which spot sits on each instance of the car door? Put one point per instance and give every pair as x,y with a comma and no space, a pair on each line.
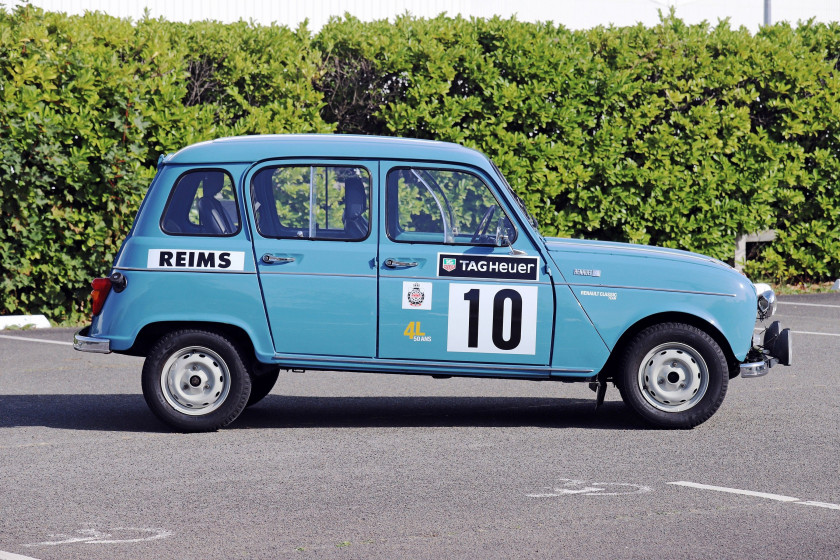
446,290
315,247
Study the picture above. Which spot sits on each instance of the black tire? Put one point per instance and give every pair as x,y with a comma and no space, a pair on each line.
673,375
261,384
195,381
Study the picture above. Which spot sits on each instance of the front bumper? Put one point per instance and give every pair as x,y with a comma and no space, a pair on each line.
84,343
776,348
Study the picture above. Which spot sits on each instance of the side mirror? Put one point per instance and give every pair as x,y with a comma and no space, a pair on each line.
502,238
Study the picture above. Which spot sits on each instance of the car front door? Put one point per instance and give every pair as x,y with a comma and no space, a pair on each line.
315,247
446,290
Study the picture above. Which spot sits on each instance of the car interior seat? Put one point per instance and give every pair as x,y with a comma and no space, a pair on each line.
212,215
355,206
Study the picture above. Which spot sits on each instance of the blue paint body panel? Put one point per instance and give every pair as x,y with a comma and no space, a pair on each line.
635,282
338,304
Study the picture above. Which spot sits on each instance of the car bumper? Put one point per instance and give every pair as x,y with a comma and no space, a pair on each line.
84,343
756,369
776,348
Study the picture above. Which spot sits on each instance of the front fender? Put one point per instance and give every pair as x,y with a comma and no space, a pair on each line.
615,310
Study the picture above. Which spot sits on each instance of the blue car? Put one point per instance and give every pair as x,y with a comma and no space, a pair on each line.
323,252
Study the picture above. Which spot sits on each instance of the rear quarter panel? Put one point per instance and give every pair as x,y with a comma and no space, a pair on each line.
182,293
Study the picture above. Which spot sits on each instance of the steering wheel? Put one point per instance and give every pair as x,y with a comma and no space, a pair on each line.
481,230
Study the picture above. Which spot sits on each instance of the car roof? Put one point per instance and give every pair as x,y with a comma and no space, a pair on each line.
248,149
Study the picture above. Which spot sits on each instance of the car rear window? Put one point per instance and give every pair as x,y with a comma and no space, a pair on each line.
202,202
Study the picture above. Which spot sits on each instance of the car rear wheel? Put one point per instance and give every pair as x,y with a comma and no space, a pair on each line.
195,381
673,375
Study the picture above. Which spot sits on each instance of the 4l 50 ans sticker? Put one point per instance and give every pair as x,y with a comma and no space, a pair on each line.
196,260
497,267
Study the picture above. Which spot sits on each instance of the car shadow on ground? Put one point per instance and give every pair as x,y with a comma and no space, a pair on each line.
128,413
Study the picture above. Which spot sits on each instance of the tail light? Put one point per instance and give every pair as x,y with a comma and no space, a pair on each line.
101,287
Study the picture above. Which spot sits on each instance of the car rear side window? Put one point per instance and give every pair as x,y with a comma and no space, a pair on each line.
203,202
312,202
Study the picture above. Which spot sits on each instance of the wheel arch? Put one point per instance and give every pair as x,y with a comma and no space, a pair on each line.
609,369
152,332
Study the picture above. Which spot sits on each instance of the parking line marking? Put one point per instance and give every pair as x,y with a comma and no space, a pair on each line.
802,332
820,504
34,340
817,333
777,497
808,304
13,556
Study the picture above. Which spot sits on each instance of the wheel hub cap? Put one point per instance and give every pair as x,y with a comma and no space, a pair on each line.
673,377
195,381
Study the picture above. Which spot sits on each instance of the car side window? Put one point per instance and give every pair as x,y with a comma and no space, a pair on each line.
312,202
202,202
447,206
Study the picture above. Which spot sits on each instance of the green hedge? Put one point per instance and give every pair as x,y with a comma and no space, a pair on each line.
677,135
87,104
682,136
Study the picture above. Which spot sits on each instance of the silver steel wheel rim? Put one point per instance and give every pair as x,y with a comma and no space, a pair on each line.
673,377
195,381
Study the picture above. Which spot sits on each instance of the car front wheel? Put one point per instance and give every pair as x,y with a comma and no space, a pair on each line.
195,381
673,375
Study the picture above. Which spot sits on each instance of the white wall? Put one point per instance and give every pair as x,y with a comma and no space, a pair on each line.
575,14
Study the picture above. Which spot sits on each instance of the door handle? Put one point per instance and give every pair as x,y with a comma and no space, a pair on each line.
391,263
271,259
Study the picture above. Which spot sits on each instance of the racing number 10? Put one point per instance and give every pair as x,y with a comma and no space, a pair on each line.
498,317
493,319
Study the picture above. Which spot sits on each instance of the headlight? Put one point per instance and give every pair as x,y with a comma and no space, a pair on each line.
766,301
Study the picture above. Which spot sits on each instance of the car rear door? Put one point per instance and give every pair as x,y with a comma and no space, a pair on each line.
315,247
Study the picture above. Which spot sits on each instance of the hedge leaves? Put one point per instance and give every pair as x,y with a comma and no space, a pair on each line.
678,135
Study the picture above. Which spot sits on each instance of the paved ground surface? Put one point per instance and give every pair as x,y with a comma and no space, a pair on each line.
375,466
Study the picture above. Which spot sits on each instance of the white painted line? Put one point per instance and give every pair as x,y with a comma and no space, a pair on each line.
95,536
34,340
820,504
13,556
762,329
817,333
777,497
808,304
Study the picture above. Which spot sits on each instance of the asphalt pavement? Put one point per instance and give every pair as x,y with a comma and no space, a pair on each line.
349,465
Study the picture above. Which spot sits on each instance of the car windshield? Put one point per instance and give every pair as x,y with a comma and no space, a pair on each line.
531,219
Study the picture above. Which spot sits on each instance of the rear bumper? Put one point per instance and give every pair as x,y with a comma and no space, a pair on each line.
84,343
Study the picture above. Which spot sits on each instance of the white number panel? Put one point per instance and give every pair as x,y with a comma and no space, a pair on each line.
492,319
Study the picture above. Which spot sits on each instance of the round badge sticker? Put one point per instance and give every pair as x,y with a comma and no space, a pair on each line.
417,295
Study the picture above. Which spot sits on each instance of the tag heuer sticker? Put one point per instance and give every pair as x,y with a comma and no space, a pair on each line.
497,267
417,295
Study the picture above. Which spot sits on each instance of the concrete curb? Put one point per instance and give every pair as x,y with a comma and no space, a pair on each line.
22,321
